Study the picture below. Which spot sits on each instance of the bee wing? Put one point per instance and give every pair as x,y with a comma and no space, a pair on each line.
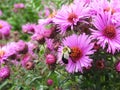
69,50
66,55
59,58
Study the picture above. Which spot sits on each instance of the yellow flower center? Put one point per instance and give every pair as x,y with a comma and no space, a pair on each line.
1,53
1,26
52,15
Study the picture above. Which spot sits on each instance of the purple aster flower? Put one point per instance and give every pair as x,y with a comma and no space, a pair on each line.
28,28
80,49
105,6
7,52
42,31
4,72
22,47
30,55
31,47
10,49
2,55
70,15
45,21
25,59
107,33
38,35
5,28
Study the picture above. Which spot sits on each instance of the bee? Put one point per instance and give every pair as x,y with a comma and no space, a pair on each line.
65,54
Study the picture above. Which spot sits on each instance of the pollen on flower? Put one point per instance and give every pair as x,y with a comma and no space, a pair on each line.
108,9
1,26
76,54
52,15
72,17
1,53
109,32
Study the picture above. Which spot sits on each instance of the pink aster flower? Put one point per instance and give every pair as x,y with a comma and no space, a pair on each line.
42,31
2,55
45,21
10,50
5,28
70,15
38,35
30,55
28,28
4,72
19,5
25,59
98,6
81,48
31,47
107,33
7,51
22,47
113,6
105,6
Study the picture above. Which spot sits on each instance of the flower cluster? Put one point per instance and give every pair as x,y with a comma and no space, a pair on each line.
5,29
81,37
94,23
17,53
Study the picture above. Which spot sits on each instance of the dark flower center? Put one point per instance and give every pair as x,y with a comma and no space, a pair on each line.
1,26
72,17
32,30
75,54
100,64
29,65
109,32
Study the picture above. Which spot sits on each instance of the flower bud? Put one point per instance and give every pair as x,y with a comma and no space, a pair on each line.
4,73
40,39
49,82
29,65
50,59
96,46
100,64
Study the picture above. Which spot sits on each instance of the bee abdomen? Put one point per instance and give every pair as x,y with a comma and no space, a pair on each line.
65,61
